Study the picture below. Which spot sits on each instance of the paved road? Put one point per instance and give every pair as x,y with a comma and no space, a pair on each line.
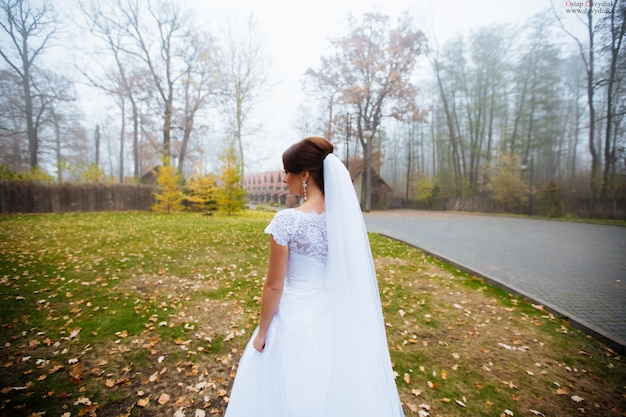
574,269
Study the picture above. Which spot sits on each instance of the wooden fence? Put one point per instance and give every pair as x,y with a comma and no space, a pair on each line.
36,197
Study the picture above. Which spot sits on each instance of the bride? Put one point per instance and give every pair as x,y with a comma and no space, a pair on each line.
320,349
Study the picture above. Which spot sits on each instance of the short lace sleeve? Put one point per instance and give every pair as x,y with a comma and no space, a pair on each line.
282,227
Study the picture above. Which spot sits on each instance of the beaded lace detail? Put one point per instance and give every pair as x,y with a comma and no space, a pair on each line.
305,233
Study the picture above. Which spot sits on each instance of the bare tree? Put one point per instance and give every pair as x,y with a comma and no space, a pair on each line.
244,76
587,53
373,65
198,86
614,29
453,60
105,22
170,26
29,31
13,139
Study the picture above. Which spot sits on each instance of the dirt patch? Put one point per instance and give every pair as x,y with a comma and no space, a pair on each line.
150,375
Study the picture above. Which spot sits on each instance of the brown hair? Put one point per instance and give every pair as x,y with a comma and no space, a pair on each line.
308,155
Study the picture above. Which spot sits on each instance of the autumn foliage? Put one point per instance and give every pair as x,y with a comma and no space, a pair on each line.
169,196
137,314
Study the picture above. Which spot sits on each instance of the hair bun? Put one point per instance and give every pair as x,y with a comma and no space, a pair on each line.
322,144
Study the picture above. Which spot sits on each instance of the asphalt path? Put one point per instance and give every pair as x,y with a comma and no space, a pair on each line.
575,270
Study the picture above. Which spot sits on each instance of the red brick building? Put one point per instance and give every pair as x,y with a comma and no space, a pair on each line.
268,188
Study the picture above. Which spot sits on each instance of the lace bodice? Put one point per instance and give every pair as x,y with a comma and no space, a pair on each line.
303,232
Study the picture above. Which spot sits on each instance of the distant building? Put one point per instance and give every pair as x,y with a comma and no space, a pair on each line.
268,188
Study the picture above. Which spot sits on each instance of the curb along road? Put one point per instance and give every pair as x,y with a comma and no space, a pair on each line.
575,270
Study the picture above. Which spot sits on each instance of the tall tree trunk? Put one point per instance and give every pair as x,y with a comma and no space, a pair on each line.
122,134
595,165
136,172
409,158
617,35
451,131
58,148
97,144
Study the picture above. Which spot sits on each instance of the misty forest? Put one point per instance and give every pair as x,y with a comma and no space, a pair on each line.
528,118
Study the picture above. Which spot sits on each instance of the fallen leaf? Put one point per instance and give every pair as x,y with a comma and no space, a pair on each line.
407,378
143,402
76,373
82,401
577,398
163,399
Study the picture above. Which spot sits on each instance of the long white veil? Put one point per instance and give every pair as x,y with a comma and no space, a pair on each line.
362,379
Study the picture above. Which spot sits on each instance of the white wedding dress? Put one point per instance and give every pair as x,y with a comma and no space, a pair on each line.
291,377
326,351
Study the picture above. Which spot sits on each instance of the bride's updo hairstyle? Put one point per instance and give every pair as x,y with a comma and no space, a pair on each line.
308,155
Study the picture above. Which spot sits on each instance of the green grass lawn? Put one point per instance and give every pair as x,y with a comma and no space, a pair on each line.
144,314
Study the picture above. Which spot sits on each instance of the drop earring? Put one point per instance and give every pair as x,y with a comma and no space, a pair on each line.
304,189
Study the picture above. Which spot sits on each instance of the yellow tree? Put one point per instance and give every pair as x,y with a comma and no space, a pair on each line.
230,195
506,183
169,197
202,192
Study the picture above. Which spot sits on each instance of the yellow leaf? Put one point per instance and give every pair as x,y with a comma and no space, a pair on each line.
444,376
55,369
109,383
561,391
143,402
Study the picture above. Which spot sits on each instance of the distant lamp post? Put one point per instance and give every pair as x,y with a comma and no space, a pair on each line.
369,134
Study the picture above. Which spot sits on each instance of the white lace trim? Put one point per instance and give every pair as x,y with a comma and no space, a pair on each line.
303,232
